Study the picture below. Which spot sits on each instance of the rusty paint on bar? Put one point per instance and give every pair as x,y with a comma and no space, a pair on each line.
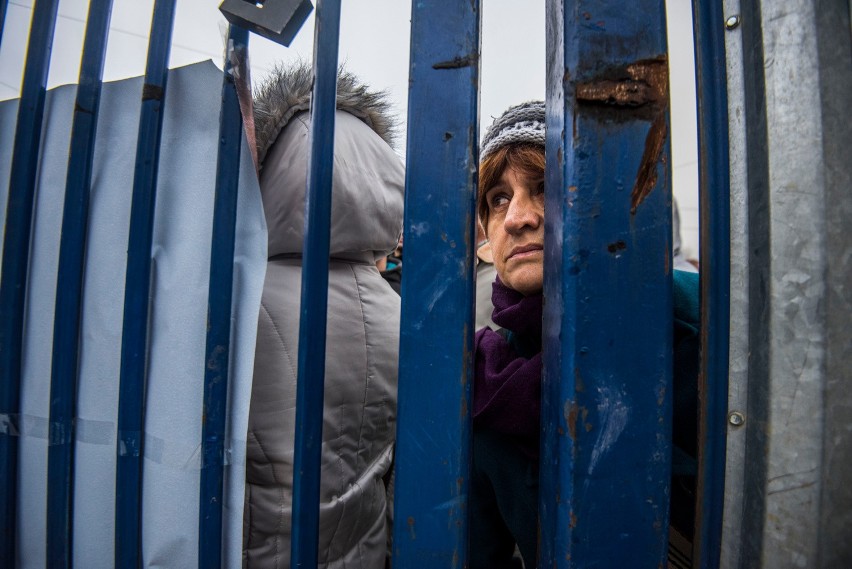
635,86
638,90
646,178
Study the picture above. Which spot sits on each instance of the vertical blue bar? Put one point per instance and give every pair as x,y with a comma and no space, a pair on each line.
436,342
69,289
16,249
606,393
134,341
312,328
3,6
216,369
715,209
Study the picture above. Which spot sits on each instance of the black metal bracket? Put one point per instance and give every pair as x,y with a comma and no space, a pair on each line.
277,20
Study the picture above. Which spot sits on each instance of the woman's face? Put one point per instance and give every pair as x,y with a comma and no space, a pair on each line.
516,230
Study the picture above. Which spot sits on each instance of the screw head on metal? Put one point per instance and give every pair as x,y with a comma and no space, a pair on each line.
732,22
736,418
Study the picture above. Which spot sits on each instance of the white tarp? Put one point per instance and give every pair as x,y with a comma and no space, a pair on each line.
180,274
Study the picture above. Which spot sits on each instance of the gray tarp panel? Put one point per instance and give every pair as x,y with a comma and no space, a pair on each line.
181,257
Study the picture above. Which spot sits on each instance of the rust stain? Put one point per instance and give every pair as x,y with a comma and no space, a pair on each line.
411,528
586,424
639,90
646,178
573,522
571,418
642,84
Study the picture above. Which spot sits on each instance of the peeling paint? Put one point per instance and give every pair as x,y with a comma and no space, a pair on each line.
642,85
613,414
457,62
635,91
571,418
616,248
646,178
419,228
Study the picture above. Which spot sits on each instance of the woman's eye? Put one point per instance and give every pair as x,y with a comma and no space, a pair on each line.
499,200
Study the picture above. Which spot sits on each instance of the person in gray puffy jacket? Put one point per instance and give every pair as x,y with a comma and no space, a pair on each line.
359,419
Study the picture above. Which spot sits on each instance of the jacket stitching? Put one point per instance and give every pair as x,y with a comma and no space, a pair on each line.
280,338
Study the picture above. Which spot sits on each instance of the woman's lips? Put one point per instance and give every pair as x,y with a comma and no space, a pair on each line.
525,251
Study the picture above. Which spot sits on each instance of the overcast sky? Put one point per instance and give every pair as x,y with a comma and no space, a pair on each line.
374,44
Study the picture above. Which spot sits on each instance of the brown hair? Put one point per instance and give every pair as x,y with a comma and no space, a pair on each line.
525,158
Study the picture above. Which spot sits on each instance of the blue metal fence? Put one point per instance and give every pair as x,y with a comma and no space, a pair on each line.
606,414
436,341
134,340
314,306
219,302
607,378
69,290
715,199
16,249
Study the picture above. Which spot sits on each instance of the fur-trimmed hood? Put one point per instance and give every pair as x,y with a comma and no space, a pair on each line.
368,178
287,91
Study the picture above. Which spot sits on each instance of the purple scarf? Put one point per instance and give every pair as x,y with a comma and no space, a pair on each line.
507,386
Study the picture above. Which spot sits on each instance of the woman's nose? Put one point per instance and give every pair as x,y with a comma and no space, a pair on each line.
523,213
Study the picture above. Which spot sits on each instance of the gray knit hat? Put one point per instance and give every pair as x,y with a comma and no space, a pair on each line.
522,123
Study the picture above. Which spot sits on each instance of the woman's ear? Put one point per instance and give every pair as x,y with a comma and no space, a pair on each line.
481,234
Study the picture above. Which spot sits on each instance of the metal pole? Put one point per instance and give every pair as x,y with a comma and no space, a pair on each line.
606,391
217,352
16,249
69,291
436,342
134,341
312,328
715,200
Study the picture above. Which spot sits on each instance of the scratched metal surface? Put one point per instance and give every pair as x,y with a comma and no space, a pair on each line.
796,496
436,343
607,388
788,502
